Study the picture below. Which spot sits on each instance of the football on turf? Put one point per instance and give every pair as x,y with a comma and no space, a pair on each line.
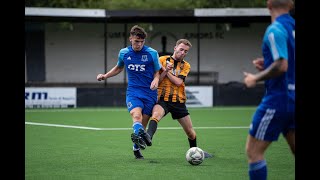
195,156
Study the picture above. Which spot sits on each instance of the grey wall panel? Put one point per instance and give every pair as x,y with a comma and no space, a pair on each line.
75,52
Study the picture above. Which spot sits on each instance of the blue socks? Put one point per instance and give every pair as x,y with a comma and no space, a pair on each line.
258,170
136,126
135,147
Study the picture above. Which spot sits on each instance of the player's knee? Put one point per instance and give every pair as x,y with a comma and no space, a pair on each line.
253,156
250,155
136,115
156,115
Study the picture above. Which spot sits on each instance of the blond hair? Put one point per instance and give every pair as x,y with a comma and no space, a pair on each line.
184,41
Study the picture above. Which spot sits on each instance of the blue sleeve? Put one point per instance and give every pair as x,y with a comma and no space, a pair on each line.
156,61
155,57
121,54
277,38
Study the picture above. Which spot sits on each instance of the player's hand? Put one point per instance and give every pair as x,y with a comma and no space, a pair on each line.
169,66
249,79
258,64
100,77
154,84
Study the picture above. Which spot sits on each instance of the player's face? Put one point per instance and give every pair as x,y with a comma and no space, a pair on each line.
181,51
137,43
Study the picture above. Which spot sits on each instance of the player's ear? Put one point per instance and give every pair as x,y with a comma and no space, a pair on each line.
269,4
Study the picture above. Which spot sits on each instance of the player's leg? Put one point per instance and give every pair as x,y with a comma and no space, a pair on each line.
136,114
136,139
291,138
187,126
135,106
289,132
265,128
255,152
145,120
142,132
158,112
179,111
148,103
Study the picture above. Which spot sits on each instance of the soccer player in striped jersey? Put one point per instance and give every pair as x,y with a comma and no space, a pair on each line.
172,94
275,113
142,66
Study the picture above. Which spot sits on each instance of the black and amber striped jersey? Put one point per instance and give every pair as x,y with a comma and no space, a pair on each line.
167,90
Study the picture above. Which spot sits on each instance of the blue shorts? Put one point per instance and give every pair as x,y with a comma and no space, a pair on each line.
267,124
144,102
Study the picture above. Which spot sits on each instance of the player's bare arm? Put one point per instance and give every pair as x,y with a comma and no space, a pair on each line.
155,82
163,74
275,69
175,80
165,70
113,72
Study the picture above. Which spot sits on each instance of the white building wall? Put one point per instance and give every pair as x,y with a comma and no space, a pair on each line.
77,54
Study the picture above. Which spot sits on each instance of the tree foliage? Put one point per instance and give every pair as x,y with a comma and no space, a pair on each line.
145,4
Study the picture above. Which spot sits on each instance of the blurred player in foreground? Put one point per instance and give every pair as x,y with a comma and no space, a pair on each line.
142,65
275,113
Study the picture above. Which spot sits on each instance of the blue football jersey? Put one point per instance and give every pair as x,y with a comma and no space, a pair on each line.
289,24
279,43
140,67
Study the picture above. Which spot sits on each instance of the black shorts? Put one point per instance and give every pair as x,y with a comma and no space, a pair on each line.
177,110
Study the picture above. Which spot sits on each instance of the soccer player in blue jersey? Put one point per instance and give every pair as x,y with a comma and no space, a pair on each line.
142,66
275,113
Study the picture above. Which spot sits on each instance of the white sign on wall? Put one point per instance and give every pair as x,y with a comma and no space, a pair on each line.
50,97
199,96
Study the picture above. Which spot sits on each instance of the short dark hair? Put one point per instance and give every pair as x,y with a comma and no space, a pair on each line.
282,3
138,31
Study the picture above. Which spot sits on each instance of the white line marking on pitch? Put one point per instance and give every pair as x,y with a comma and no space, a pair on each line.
123,109
122,129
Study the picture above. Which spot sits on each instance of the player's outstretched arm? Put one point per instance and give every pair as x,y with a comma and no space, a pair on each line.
113,72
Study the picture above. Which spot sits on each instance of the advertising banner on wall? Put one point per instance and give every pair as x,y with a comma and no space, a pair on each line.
50,97
199,96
